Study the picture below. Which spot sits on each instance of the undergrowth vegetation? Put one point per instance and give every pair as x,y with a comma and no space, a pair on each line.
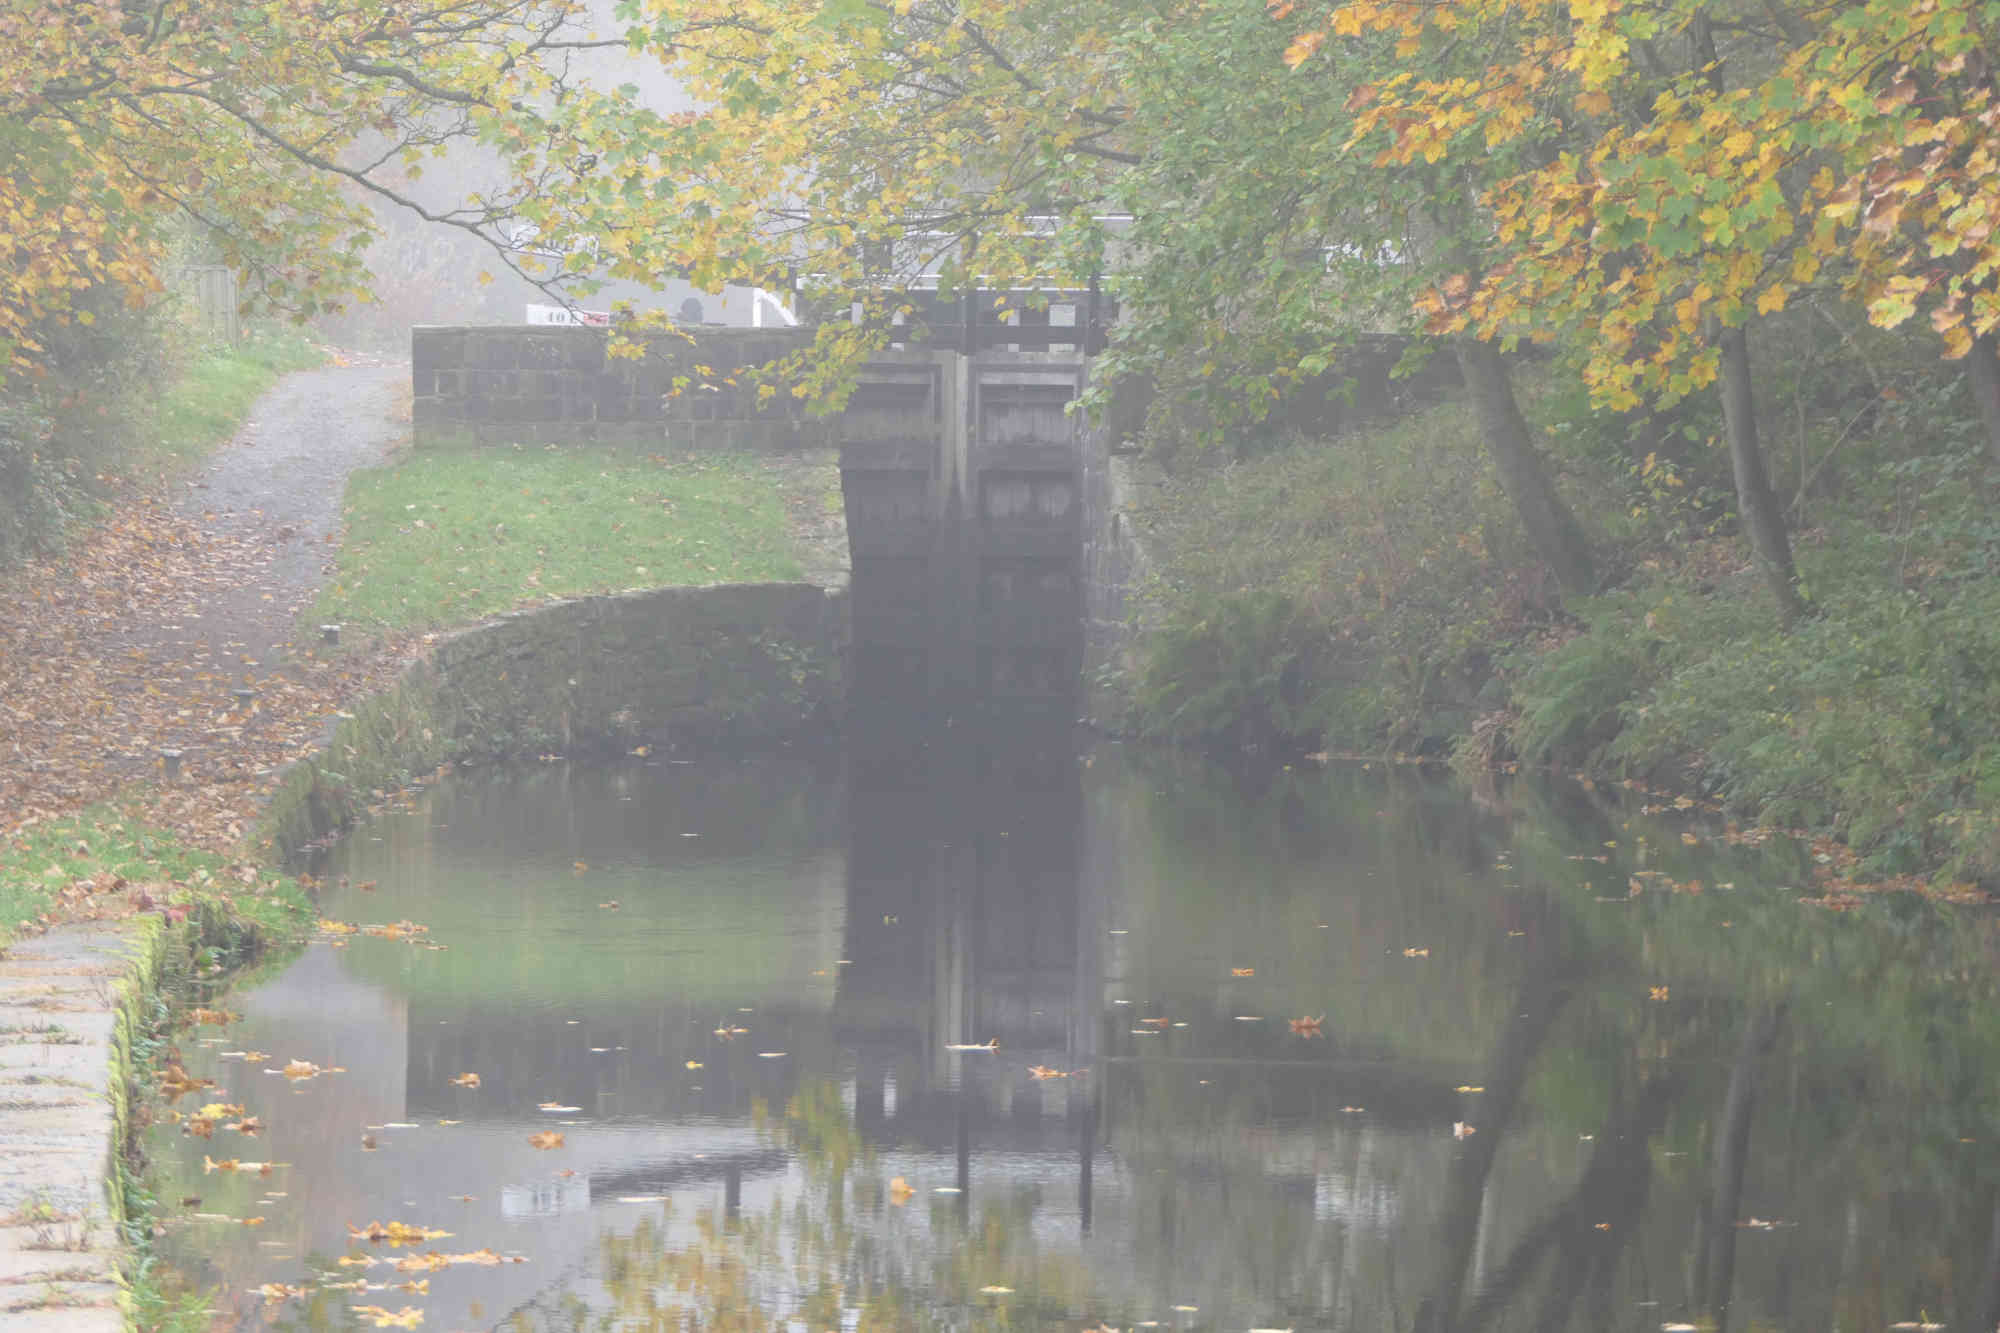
125,399
1372,592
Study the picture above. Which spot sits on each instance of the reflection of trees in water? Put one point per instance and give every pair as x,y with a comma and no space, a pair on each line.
841,1253
1847,1119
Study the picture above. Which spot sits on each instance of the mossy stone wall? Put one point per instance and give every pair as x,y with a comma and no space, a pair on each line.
594,675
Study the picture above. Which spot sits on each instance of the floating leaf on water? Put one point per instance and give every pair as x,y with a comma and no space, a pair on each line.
642,1198
303,1069
989,1045
1461,1130
557,1108
395,1233
1423,952
548,1138
946,1189
1659,994
209,1164
1308,1027
1470,1087
1249,1018
407,1317
900,1191
467,1080
176,1082
212,1017
1242,971
996,1291
696,1064
770,1055
1352,1110
396,930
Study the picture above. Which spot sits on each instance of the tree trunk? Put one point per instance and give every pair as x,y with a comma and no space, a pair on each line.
1755,501
1551,527
1982,366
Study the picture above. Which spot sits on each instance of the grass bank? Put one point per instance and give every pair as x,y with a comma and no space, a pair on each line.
202,406
105,861
128,408
449,537
1374,592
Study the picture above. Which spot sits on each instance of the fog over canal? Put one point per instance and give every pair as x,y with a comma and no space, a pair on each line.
1532,1099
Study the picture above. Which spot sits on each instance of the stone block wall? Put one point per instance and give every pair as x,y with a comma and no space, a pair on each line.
730,663
539,384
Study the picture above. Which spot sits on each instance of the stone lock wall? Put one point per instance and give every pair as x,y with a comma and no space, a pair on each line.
538,384
728,663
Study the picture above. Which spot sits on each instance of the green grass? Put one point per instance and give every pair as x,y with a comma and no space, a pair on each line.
449,537
105,845
122,405
203,406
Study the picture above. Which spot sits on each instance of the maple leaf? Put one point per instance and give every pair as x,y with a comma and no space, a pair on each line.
546,1139
1302,48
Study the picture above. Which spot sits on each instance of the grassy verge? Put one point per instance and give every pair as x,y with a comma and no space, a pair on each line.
93,861
448,537
203,405
121,405
1374,593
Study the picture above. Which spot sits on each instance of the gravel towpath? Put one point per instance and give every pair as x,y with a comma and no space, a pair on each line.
135,640
132,643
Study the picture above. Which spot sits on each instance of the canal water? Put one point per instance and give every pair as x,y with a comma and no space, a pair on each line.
996,1034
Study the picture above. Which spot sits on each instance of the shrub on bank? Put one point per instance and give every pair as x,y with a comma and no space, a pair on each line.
1372,592
1879,717
1349,592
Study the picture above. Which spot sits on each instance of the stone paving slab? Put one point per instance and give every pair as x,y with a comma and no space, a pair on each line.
58,1129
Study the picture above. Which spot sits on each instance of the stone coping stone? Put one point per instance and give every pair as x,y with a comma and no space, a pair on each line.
59,998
